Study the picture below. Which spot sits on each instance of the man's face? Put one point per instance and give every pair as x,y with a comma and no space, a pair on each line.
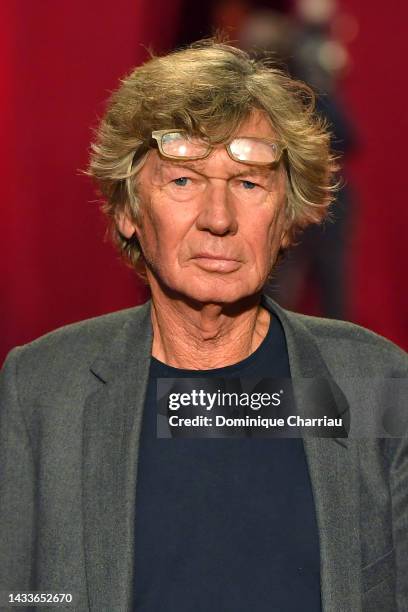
210,229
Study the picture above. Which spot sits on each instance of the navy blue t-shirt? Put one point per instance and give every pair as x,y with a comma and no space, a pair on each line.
225,525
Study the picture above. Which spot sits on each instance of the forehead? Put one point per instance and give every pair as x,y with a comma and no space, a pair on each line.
257,125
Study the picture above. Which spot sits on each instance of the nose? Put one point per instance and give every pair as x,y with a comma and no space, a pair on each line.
218,212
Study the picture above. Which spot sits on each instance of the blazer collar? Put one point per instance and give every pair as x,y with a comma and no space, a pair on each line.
313,382
112,423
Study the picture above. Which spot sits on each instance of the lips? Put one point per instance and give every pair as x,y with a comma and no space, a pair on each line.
216,263
212,256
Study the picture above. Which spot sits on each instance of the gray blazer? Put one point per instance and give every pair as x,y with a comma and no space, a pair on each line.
71,411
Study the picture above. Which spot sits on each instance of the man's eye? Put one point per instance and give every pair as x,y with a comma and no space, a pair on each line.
248,185
181,181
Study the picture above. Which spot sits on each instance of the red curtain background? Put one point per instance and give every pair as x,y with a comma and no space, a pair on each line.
60,60
377,92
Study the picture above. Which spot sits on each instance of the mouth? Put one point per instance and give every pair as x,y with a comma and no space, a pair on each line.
212,256
216,263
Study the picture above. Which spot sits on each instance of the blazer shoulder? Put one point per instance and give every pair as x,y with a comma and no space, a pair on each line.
344,341
88,332
68,348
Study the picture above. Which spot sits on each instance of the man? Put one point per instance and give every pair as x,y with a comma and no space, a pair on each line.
209,163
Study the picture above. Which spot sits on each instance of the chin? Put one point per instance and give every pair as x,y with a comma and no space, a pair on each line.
218,291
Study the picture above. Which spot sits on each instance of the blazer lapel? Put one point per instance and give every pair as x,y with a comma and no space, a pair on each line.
333,472
112,423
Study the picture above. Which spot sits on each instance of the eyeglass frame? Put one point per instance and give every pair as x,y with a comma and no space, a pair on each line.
157,138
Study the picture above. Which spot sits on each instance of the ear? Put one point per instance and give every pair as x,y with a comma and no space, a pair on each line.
285,241
125,226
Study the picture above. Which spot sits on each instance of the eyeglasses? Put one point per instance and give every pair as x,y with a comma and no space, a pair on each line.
178,144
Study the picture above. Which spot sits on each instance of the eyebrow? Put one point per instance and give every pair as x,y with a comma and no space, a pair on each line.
261,170
196,166
182,164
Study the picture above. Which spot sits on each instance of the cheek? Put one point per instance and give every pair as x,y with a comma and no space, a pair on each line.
146,231
162,230
266,234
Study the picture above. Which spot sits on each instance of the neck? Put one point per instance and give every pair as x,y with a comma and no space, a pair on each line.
205,336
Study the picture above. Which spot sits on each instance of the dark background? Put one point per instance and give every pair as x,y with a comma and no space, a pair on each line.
60,60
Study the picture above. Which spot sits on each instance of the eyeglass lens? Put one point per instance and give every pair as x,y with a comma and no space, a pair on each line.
253,150
178,144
